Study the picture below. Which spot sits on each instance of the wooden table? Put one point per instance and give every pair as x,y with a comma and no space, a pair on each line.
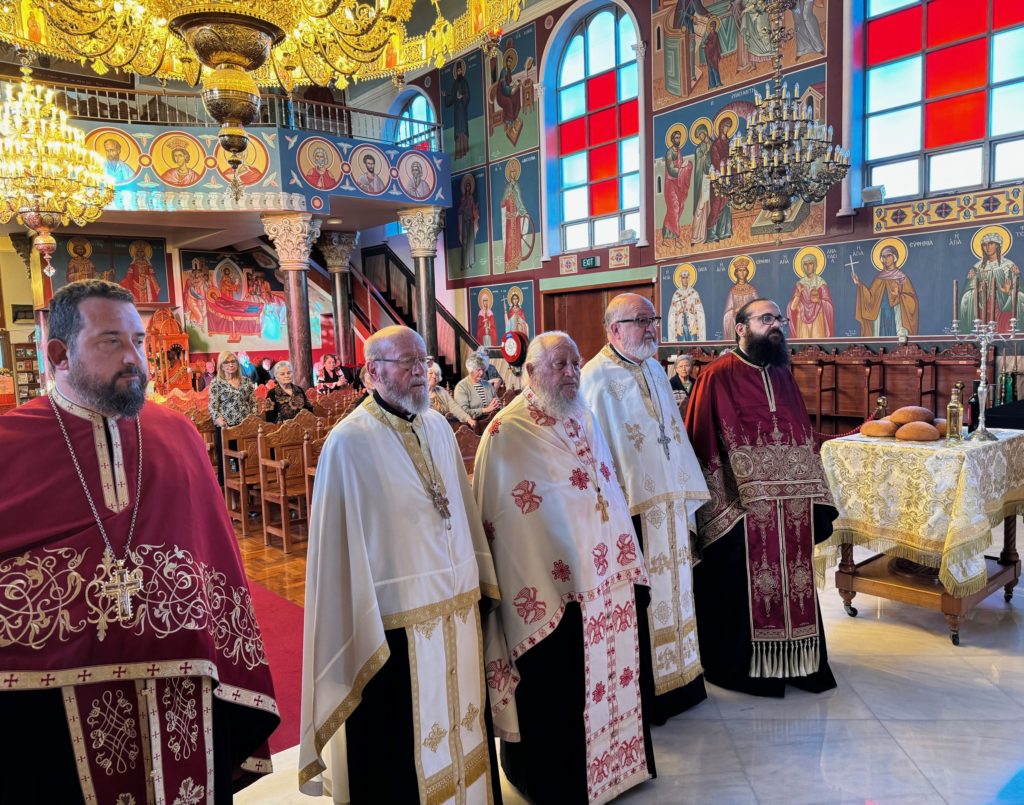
929,509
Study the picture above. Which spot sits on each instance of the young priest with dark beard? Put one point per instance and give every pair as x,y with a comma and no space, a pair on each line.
757,612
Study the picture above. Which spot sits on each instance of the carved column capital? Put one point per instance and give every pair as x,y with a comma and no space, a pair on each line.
337,248
292,234
422,225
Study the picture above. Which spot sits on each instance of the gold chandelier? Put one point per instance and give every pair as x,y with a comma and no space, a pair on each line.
785,153
47,175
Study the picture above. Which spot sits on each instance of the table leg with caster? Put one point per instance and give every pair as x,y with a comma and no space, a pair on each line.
846,565
953,621
1009,555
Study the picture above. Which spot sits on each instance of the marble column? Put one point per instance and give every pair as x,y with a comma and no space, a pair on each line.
337,248
422,225
293,234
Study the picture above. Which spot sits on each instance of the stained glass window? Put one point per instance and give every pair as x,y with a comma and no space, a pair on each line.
416,124
943,94
598,125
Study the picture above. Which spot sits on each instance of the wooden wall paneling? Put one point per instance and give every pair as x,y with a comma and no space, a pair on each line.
580,313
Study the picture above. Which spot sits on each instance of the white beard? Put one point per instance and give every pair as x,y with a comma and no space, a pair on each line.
415,401
639,351
558,406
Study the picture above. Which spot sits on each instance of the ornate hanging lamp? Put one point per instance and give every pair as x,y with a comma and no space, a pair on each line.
47,175
785,153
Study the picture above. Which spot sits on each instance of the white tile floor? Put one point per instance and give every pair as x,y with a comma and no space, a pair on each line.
914,721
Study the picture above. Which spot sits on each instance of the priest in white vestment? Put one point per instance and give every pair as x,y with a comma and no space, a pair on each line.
632,400
393,694
569,705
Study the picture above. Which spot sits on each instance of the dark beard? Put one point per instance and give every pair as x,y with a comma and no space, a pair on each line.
107,398
768,350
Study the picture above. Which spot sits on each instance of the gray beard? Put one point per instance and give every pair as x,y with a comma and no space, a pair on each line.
641,351
557,406
412,402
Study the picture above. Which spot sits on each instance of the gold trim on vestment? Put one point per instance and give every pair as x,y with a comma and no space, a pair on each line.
650,503
411,617
341,713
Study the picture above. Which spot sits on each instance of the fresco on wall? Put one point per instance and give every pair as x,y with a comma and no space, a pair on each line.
689,217
515,213
467,227
880,288
137,264
237,302
498,309
705,46
512,102
462,111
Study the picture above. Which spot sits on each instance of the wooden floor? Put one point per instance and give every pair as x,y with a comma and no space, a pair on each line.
271,568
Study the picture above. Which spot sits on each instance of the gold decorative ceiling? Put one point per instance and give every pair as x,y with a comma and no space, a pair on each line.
303,41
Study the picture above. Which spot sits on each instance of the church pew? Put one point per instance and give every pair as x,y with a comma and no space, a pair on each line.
240,460
468,442
311,450
282,483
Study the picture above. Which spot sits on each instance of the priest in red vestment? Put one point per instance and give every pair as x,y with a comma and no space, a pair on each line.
132,664
757,608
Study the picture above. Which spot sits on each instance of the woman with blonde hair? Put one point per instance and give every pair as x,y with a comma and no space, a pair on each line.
232,399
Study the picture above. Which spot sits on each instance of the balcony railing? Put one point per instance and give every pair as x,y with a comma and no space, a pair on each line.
167,108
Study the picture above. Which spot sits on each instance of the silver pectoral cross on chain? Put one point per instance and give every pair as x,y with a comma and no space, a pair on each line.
663,440
441,503
122,586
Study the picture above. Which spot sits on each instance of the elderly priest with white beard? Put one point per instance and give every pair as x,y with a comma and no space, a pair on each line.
630,396
569,706
392,677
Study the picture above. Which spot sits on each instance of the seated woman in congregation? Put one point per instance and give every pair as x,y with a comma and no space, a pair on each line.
441,401
332,378
286,398
474,394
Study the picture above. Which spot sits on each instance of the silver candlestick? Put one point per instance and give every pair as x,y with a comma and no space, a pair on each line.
985,335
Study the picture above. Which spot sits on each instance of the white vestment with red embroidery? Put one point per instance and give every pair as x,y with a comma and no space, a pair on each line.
382,557
541,484
630,401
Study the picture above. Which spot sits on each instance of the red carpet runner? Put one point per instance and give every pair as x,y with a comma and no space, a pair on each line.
281,623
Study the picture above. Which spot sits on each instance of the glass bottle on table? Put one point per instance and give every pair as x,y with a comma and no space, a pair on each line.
955,418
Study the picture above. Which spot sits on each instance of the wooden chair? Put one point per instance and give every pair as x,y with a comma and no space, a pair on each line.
282,482
204,424
311,449
306,420
468,442
240,460
508,396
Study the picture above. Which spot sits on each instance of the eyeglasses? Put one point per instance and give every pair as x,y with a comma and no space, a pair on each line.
409,361
768,319
230,363
642,322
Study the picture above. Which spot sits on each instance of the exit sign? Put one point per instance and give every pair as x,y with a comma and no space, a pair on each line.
590,262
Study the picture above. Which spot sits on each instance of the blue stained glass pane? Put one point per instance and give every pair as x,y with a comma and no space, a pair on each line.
629,192
899,178
627,39
572,102
1009,161
1007,115
573,68
601,43
895,84
574,170
894,133
574,204
1008,55
629,155
627,82
876,7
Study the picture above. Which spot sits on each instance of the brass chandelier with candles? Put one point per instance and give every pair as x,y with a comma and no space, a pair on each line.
785,153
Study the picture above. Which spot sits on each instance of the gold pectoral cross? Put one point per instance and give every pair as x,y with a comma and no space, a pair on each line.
440,502
122,586
602,506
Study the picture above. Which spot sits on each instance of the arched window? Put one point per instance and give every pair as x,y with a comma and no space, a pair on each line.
415,127
943,95
598,131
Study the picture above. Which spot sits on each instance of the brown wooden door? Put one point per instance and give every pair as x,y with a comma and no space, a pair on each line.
580,313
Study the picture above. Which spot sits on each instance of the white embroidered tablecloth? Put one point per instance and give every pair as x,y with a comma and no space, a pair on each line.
931,502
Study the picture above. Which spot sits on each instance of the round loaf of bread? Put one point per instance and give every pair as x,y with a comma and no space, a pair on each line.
911,413
879,427
940,426
918,432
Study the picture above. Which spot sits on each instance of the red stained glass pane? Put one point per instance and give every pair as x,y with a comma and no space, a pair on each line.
953,20
894,35
602,126
604,197
955,120
629,118
572,136
1006,13
601,91
956,68
604,162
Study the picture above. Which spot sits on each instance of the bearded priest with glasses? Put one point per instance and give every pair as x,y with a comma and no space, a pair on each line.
757,609
631,398
394,706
